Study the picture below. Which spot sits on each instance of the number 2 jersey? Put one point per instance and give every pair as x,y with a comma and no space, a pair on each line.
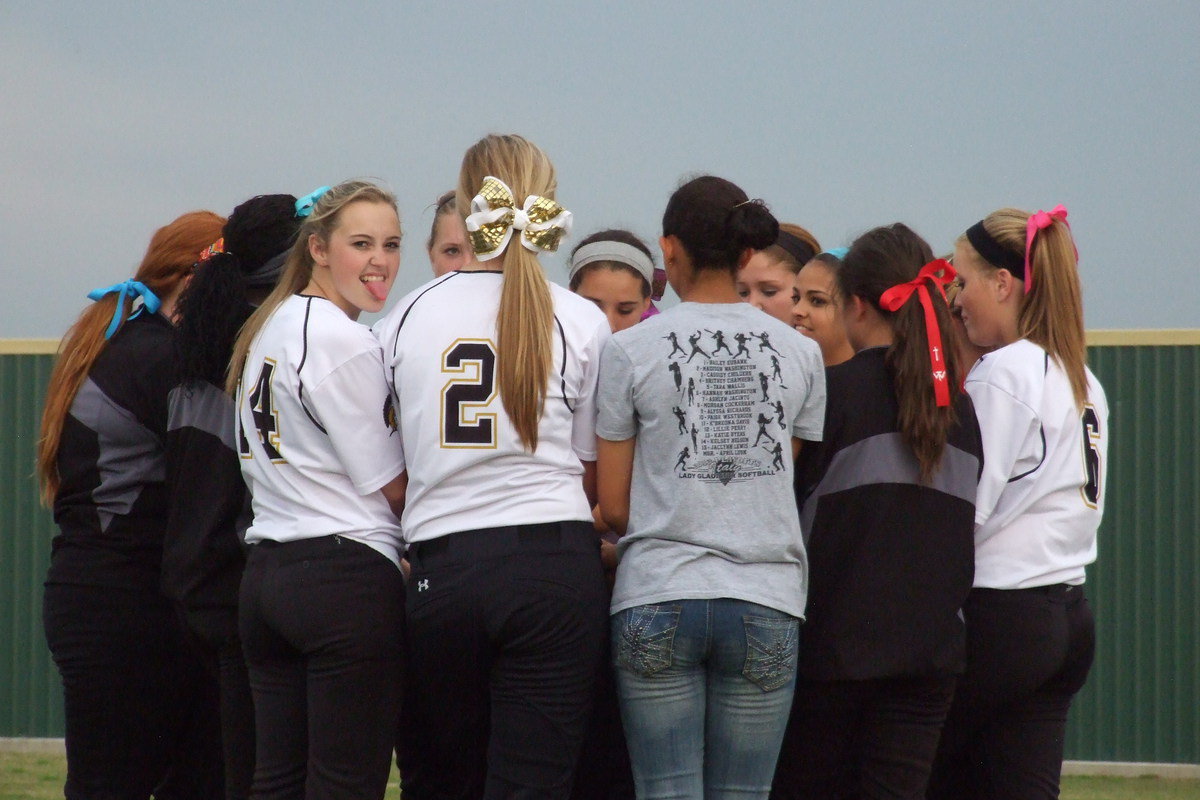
467,469
1041,494
315,432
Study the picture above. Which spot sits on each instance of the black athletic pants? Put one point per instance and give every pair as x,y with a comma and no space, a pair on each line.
321,625
133,694
1028,653
862,739
506,629
214,635
604,771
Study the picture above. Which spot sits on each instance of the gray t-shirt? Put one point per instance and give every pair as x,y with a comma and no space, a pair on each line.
713,393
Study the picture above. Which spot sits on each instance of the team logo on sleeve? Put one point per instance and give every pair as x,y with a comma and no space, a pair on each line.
389,414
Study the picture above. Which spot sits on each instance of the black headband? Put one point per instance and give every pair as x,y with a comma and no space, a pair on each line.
796,247
995,253
269,271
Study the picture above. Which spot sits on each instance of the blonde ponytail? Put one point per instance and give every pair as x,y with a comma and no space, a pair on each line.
1051,312
525,318
523,338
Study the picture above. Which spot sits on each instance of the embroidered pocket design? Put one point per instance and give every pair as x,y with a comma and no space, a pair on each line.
647,638
771,647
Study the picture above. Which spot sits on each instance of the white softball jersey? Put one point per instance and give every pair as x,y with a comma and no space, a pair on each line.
467,469
313,412
1041,495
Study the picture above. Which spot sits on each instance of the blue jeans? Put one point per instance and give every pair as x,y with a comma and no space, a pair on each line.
705,689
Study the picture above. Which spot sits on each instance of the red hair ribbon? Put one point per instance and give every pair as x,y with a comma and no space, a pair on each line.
939,273
1038,221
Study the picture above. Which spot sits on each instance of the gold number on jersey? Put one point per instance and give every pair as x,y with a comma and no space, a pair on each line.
266,418
1091,456
463,424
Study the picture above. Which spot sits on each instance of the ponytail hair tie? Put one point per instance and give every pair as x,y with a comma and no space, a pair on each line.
1040,220
304,206
541,223
939,273
150,301
658,286
216,248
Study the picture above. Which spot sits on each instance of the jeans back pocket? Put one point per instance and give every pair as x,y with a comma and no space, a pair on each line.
771,649
645,638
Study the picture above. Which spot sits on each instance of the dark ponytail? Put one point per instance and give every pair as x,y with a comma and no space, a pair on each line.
751,224
878,260
716,222
211,311
216,303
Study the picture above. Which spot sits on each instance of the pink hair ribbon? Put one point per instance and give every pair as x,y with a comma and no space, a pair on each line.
939,273
1039,221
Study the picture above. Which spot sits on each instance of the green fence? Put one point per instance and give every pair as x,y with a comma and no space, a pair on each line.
1142,702
30,694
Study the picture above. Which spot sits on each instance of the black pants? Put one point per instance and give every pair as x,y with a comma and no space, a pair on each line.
604,772
862,739
1028,653
506,628
133,694
214,636
321,625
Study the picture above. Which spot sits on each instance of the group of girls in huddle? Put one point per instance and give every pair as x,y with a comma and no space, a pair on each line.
848,563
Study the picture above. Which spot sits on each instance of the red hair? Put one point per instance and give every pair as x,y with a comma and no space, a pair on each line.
173,250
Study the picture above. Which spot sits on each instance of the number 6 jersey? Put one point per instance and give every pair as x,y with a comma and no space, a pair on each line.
313,430
1041,494
467,469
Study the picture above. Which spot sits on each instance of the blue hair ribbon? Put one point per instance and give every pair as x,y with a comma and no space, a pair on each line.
838,252
150,301
304,205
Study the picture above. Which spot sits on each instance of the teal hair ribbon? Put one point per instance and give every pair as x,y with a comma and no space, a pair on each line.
304,205
150,301
838,252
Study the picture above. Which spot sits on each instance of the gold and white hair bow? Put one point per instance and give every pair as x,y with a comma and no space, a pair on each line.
494,215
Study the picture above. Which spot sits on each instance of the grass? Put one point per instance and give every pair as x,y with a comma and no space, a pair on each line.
39,776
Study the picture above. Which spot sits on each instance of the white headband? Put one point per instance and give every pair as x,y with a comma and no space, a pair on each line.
613,251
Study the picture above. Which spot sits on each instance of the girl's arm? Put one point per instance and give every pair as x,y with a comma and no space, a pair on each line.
393,492
615,467
589,481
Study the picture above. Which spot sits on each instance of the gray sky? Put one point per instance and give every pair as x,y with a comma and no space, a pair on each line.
118,116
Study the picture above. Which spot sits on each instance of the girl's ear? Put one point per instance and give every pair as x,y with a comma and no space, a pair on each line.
856,308
670,249
1004,283
317,249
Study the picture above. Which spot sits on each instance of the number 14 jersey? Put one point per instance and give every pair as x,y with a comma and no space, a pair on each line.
313,431
467,469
